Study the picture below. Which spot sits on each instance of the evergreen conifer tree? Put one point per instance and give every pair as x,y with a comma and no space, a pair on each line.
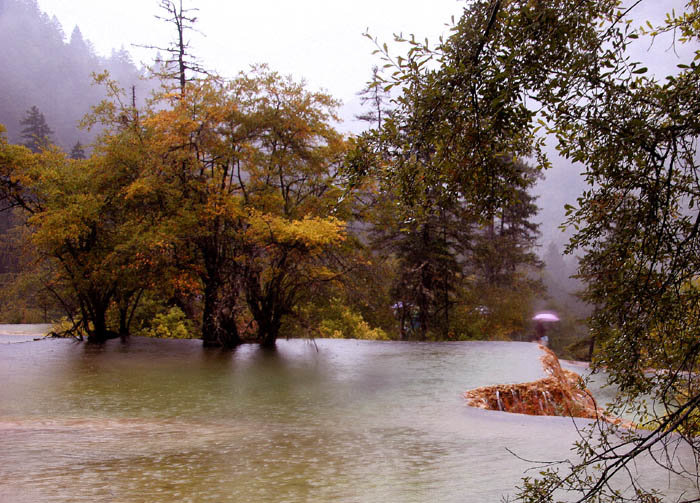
36,132
78,151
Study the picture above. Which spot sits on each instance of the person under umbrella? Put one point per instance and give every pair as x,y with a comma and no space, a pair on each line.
540,330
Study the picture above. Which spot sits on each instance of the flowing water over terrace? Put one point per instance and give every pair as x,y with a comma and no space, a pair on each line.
335,420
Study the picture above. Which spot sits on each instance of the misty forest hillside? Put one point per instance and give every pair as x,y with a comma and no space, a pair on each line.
42,66
234,210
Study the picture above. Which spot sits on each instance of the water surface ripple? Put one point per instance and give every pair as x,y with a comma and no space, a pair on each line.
330,420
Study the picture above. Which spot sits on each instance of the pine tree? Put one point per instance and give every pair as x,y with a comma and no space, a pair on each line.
507,241
36,132
77,152
428,273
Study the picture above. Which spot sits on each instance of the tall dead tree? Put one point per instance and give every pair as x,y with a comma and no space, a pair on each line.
179,63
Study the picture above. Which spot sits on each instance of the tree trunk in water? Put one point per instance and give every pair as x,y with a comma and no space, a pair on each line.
100,334
268,331
209,335
227,328
591,347
123,321
267,308
219,327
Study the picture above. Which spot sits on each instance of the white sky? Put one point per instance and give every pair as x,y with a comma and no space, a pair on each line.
319,40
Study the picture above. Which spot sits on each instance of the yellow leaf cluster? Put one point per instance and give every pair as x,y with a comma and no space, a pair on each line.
311,233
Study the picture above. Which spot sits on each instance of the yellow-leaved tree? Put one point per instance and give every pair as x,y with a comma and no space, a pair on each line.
253,165
87,226
230,190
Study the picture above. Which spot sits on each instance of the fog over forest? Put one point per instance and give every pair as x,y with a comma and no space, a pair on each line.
50,66
510,214
42,65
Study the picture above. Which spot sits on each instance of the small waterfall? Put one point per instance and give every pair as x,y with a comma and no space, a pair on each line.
546,400
498,399
516,400
541,406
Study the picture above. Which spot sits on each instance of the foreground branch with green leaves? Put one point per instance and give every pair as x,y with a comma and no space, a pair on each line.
515,72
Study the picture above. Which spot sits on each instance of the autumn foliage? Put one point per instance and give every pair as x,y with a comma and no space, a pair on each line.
223,201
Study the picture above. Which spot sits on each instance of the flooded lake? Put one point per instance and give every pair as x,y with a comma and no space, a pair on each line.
327,421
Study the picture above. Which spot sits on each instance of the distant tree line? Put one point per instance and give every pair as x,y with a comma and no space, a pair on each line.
234,211
41,66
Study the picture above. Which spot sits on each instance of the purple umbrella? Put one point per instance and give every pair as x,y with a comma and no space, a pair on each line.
545,317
